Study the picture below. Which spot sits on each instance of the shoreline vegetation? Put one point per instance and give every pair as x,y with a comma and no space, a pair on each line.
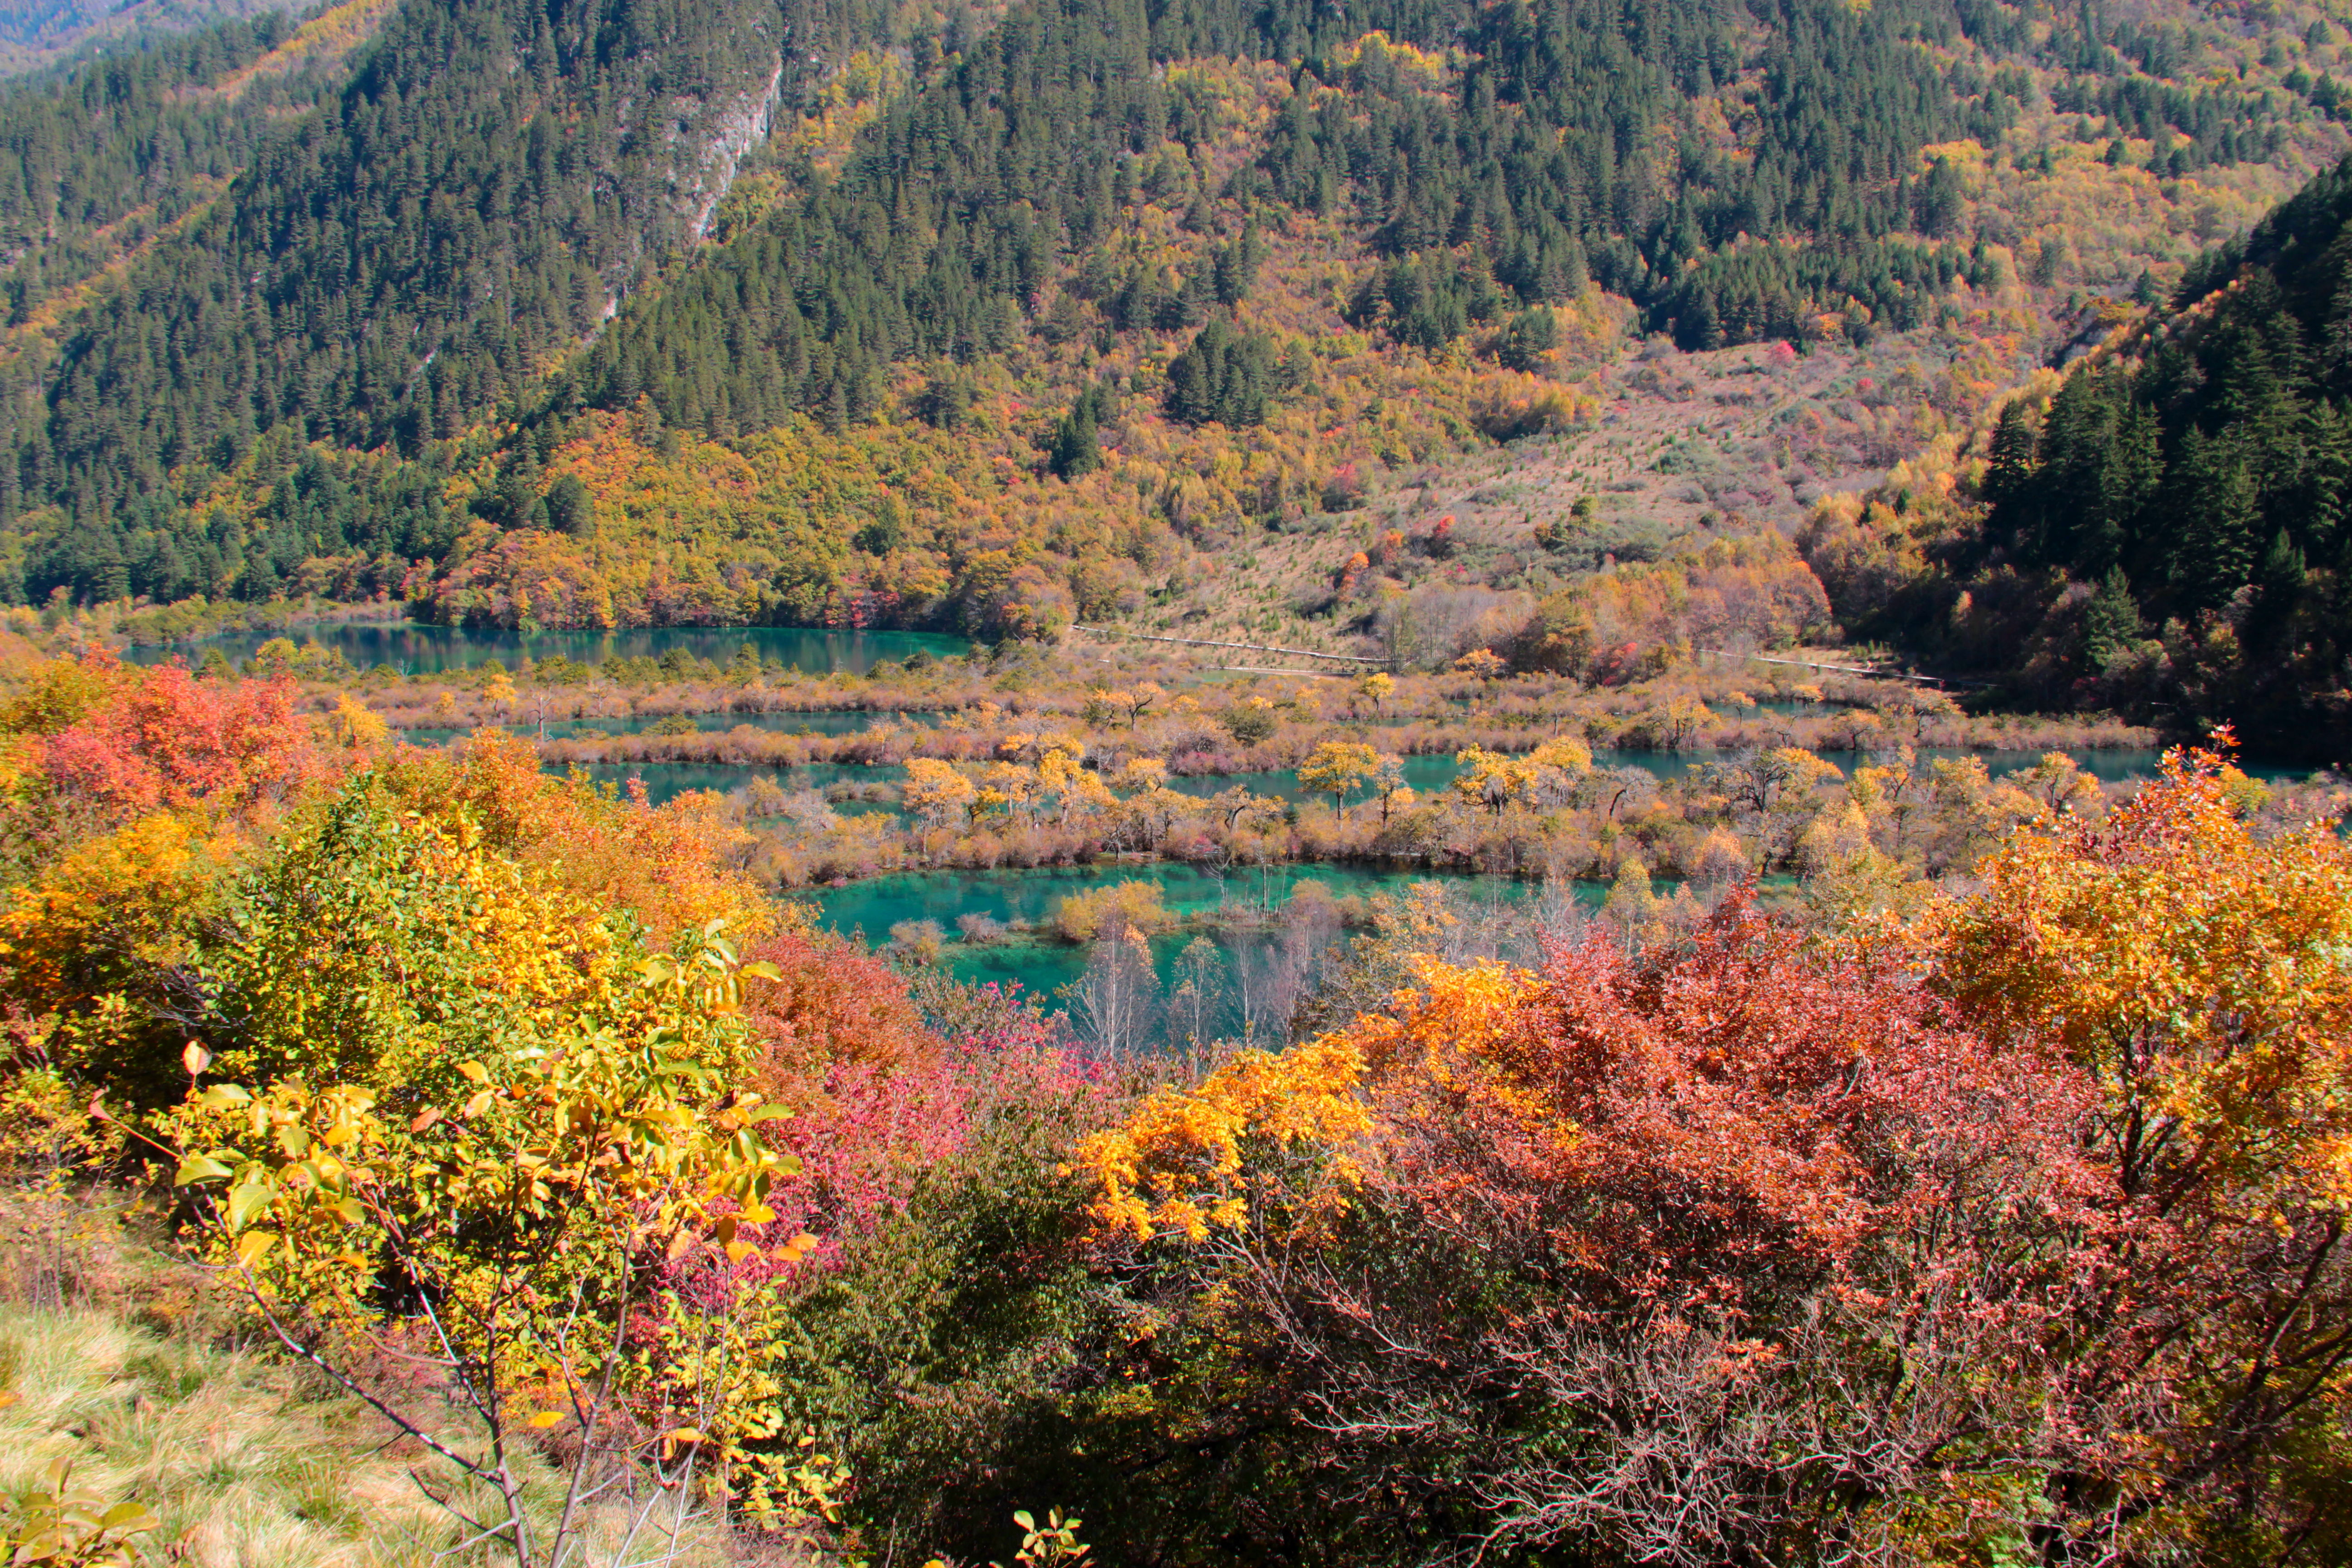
1707,766
194,620
1638,800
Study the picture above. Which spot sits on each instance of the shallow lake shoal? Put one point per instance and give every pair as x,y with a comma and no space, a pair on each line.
874,905
665,781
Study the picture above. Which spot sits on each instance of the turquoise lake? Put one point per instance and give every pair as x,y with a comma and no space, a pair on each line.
414,649
873,906
829,722
1043,966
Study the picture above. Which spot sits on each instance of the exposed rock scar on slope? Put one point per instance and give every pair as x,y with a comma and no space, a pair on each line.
736,133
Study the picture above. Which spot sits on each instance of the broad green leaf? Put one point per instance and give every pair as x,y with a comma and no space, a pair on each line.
130,1518
248,1198
199,1168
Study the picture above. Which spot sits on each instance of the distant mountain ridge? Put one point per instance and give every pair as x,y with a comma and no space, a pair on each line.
38,34
488,185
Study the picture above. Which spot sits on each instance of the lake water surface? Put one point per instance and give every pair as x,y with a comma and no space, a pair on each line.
1042,964
826,722
414,649
873,906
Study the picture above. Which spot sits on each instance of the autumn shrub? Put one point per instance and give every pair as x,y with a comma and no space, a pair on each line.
47,695
432,898
938,1328
2192,972
99,743
100,939
668,867
831,1004
919,1237
447,1036
1528,1199
126,797
380,948
1112,911
518,1223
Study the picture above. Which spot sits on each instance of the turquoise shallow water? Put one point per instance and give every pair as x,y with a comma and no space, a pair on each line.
873,906
1043,966
416,649
880,902
665,782
833,722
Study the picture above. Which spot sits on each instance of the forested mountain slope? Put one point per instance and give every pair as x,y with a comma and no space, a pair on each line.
472,200
1505,182
2164,530
98,162
1065,313
39,34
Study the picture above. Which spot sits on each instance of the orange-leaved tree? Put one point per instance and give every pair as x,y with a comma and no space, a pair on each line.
126,796
1620,1251
2200,975
2016,1233
160,738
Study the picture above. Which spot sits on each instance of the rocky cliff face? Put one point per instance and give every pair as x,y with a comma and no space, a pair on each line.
738,131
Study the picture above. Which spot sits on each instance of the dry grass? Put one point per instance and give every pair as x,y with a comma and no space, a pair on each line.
251,1460
245,1466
